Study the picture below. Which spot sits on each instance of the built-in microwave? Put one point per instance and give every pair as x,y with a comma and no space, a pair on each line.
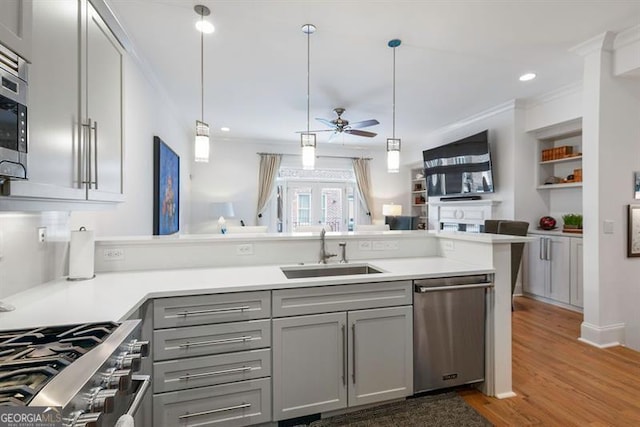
13,115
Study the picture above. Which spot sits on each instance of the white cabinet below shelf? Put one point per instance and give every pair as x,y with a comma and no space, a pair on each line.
15,26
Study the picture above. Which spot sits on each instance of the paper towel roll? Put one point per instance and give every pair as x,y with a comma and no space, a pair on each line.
81,254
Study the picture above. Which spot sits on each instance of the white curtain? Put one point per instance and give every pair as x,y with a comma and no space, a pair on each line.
269,166
363,179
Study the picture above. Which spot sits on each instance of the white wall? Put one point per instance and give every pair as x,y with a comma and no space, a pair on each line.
147,113
500,123
232,175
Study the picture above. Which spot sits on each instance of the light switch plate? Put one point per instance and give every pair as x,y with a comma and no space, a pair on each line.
448,245
364,245
244,249
379,245
607,226
1,244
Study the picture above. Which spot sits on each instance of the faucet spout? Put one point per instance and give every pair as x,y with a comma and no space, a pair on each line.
324,256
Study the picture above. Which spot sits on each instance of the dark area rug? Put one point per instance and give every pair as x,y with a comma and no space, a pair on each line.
444,409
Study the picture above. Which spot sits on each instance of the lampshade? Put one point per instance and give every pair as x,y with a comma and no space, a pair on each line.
308,143
202,142
393,155
222,209
392,210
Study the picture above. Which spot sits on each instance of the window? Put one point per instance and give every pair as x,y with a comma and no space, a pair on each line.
317,197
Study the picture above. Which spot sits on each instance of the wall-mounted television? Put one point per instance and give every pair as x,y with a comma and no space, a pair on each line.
460,168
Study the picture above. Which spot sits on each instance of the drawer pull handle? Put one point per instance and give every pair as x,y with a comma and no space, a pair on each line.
228,310
214,411
217,342
210,374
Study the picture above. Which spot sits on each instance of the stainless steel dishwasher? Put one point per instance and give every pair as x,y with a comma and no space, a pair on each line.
449,331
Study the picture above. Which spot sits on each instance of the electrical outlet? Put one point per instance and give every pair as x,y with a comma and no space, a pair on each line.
42,234
364,245
1,243
391,245
113,254
245,249
379,245
447,245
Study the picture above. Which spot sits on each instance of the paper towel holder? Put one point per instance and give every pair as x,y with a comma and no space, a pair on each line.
77,279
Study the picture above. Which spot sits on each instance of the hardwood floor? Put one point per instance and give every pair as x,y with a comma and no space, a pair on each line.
560,381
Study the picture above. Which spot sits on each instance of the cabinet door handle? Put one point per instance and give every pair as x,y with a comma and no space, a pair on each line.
95,154
89,143
216,342
213,373
214,411
541,254
344,355
227,310
353,350
549,247
86,154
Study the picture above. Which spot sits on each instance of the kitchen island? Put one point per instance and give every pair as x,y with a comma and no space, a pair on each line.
121,288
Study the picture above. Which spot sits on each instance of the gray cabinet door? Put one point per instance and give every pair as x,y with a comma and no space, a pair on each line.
559,257
237,404
309,365
211,339
380,354
576,272
15,26
54,90
103,105
537,269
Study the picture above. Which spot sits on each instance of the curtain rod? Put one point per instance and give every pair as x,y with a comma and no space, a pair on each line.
328,157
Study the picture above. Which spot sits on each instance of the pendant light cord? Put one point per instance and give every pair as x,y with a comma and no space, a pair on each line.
393,132
308,75
202,72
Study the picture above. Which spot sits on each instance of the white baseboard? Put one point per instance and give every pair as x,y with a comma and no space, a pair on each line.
602,336
506,395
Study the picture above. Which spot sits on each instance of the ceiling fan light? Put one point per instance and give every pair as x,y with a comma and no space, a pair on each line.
201,150
393,155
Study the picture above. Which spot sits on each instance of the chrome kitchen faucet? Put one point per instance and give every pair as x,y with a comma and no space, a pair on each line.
324,256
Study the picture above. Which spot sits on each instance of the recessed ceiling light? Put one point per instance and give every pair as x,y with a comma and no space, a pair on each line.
225,129
205,27
528,76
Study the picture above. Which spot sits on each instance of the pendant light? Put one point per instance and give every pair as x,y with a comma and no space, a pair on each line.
308,139
393,143
202,129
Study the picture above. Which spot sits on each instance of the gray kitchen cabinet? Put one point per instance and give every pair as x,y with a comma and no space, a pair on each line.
75,106
15,26
309,364
554,269
212,359
380,354
347,358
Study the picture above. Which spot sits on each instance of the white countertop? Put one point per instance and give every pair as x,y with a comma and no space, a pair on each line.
554,232
115,296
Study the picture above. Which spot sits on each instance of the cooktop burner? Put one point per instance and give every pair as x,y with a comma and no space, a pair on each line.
30,358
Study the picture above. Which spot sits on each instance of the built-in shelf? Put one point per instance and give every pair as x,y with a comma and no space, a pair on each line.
562,185
419,204
563,160
418,191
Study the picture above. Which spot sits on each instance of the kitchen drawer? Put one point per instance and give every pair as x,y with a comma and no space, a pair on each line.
206,309
236,404
325,299
211,339
211,370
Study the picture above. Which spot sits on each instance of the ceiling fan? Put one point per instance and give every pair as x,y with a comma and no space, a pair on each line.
340,125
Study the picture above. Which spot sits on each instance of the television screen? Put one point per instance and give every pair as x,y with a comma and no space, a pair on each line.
459,168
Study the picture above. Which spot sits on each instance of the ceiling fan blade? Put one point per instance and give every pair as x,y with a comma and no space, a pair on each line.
364,124
360,133
333,136
326,122
316,131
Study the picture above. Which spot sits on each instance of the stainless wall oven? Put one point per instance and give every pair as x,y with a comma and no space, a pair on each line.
13,115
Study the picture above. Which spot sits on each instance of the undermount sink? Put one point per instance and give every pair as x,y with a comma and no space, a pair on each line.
327,270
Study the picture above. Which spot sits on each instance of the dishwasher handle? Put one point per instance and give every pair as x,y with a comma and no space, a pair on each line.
424,289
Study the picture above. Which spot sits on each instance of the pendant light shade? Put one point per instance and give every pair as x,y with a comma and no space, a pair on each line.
393,143
201,148
308,139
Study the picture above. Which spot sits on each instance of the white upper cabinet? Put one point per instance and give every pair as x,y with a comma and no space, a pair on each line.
75,106
15,26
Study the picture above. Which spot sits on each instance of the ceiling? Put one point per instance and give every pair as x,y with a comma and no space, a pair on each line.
457,58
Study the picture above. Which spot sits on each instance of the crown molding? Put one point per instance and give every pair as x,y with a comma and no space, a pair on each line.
627,37
500,108
601,42
561,92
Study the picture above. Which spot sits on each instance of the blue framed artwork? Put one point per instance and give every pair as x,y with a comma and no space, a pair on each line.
166,188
